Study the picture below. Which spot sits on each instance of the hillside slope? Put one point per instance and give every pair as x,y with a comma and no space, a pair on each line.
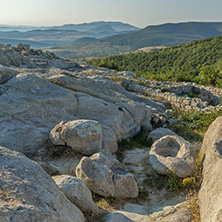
62,35
159,35
117,26
167,34
198,61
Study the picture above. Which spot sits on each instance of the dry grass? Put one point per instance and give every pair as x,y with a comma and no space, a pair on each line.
193,205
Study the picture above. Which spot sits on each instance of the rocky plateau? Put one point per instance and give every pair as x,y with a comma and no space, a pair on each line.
60,124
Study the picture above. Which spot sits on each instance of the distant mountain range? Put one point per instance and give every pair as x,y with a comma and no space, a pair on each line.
61,35
104,38
159,35
167,34
116,26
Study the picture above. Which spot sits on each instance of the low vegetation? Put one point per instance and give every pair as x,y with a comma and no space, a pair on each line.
88,50
167,34
138,141
192,125
197,61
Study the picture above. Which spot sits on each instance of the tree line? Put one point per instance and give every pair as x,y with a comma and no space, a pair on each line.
199,61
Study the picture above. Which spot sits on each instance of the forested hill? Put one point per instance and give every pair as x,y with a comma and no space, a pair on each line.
167,34
198,61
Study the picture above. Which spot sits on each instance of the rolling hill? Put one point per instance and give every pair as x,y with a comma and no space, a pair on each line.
117,26
65,34
167,34
159,35
198,61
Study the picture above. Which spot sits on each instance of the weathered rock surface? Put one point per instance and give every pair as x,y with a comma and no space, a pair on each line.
22,55
6,74
117,217
76,191
31,106
106,176
159,133
137,213
186,96
65,164
84,136
177,213
172,153
210,195
29,194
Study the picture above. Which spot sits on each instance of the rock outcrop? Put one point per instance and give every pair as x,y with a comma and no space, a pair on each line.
84,136
172,153
159,133
76,191
31,106
6,74
106,176
87,112
28,193
22,55
117,217
210,195
186,96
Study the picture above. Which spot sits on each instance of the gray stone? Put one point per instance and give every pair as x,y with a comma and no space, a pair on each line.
210,195
8,47
84,136
6,74
62,64
28,193
117,217
128,74
106,176
65,164
135,87
20,46
26,47
32,106
76,191
172,153
159,133
174,213
181,215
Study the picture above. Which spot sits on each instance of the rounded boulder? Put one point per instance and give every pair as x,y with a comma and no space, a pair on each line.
84,136
172,153
103,174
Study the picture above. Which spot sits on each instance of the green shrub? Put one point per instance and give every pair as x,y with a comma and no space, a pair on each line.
138,141
174,183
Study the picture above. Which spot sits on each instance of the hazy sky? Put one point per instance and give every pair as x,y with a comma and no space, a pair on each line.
136,12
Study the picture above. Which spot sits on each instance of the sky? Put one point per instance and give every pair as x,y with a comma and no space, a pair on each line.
136,12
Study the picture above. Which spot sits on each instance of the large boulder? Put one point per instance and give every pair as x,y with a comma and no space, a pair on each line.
103,174
76,191
172,153
159,133
6,74
28,193
84,136
210,195
31,107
